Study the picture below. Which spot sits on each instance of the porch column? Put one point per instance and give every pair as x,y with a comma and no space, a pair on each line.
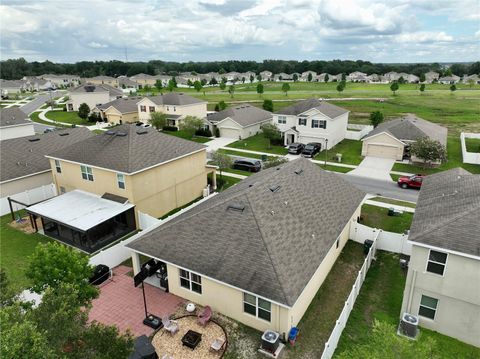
135,263
214,180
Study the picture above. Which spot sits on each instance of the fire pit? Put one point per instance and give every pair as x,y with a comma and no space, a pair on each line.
191,339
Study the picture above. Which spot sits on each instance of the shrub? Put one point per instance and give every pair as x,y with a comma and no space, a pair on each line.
217,132
205,132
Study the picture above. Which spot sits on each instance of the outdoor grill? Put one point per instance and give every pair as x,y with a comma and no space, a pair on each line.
191,339
270,341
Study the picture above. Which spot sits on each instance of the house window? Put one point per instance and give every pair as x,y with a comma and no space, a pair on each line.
121,180
282,120
428,307
319,124
174,109
151,108
436,262
87,173
168,109
257,307
191,281
302,121
143,108
58,168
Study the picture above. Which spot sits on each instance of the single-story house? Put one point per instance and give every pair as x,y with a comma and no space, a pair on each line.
443,280
14,123
122,110
102,80
449,80
392,139
252,252
238,122
93,95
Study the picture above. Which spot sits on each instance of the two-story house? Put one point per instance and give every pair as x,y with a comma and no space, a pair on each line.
443,281
176,105
312,120
92,95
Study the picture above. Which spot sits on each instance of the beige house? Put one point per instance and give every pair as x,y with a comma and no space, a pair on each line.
102,80
393,138
443,281
249,253
122,110
176,105
92,95
61,81
14,123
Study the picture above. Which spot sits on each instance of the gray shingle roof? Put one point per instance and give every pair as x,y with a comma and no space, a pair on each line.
88,87
411,128
122,105
244,115
448,212
12,116
174,98
275,245
123,149
21,156
326,108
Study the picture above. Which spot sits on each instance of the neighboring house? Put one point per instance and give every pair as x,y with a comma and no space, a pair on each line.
175,104
312,120
443,280
357,76
12,86
23,163
392,139
144,79
375,78
466,79
14,123
33,83
283,77
233,76
391,76
449,80
266,75
92,95
304,75
102,80
122,110
431,76
250,252
238,122
62,80
127,84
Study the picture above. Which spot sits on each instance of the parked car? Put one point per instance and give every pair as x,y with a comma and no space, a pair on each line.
247,165
49,129
296,148
414,181
311,149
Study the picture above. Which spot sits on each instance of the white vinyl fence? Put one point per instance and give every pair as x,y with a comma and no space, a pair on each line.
386,241
332,342
29,197
469,157
356,132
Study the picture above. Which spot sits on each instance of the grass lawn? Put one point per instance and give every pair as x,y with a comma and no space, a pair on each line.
381,298
238,172
260,144
350,149
66,117
34,117
243,154
16,246
186,136
228,182
394,201
173,211
377,217
335,168
395,177
472,144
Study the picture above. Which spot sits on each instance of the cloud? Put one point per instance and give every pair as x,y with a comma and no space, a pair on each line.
424,36
96,45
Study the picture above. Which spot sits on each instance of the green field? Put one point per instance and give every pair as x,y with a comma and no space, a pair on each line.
472,144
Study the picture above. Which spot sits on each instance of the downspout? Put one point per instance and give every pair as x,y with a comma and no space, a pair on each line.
410,295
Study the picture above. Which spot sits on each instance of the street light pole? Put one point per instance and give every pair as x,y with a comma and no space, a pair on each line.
326,152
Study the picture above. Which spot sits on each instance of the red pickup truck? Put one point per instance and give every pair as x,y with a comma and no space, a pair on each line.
414,181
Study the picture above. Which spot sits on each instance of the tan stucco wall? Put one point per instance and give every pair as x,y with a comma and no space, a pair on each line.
457,291
384,140
198,110
115,117
23,184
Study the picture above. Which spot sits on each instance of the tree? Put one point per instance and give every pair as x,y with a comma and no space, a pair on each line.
453,88
190,83
172,83
429,151
267,105
159,85
326,78
231,90
7,293
223,85
422,88
252,78
340,86
54,263
394,87
213,81
83,111
147,87
203,82
271,133
310,77
401,80
285,88
259,77
344,77
222,71
223,161
197,85
260,89
190,125
422,77
376,118
220,106
295,77
243,79
158,120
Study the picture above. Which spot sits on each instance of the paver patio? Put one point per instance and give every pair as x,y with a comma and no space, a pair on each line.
121,304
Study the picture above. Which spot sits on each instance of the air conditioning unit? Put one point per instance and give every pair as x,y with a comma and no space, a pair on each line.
409,325
270,341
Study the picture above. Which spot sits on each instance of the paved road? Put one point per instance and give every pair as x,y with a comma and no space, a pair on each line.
382,188
40,127
38,101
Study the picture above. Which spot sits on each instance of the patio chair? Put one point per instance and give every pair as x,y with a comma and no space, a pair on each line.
170,326
217,345
205,315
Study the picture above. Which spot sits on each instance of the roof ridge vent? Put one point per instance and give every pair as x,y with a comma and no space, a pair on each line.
63,134
34,139
236,207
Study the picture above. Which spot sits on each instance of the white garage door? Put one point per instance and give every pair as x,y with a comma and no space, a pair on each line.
229,133
382,151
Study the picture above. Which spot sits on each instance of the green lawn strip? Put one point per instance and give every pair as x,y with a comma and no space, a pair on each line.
325,308
34,117
238,172
186,136
393,201
98,132
472,144
377,217
335,168
350,149
395,177
227,182
66,117
243,154
16,246
260,144
381,298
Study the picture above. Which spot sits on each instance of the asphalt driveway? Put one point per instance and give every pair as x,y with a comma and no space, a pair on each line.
374,167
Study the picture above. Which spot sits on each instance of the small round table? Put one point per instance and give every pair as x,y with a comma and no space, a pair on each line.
190,307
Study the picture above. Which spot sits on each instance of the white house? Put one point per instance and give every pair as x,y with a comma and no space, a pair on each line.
14,123
357,76
312,120
92,95
266,75
449,80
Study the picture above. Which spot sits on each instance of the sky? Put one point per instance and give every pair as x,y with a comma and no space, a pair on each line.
204,30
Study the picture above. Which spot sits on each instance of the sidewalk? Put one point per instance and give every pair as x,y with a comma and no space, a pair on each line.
96,126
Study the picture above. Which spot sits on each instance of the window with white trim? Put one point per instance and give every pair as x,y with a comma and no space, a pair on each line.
191,281
319,124
257,307
121,180
143,108
428,307
87,173
302,121
151,108
282,120
58,168
436,262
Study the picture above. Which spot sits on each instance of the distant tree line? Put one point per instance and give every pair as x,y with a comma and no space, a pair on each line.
17,68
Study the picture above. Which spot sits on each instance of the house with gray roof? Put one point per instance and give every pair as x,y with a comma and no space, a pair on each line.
312,120
393,138
443,280
92,94
121,110
251,252
238,122
8,87
14,123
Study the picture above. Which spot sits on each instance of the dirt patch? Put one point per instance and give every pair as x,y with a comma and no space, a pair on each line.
23,224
